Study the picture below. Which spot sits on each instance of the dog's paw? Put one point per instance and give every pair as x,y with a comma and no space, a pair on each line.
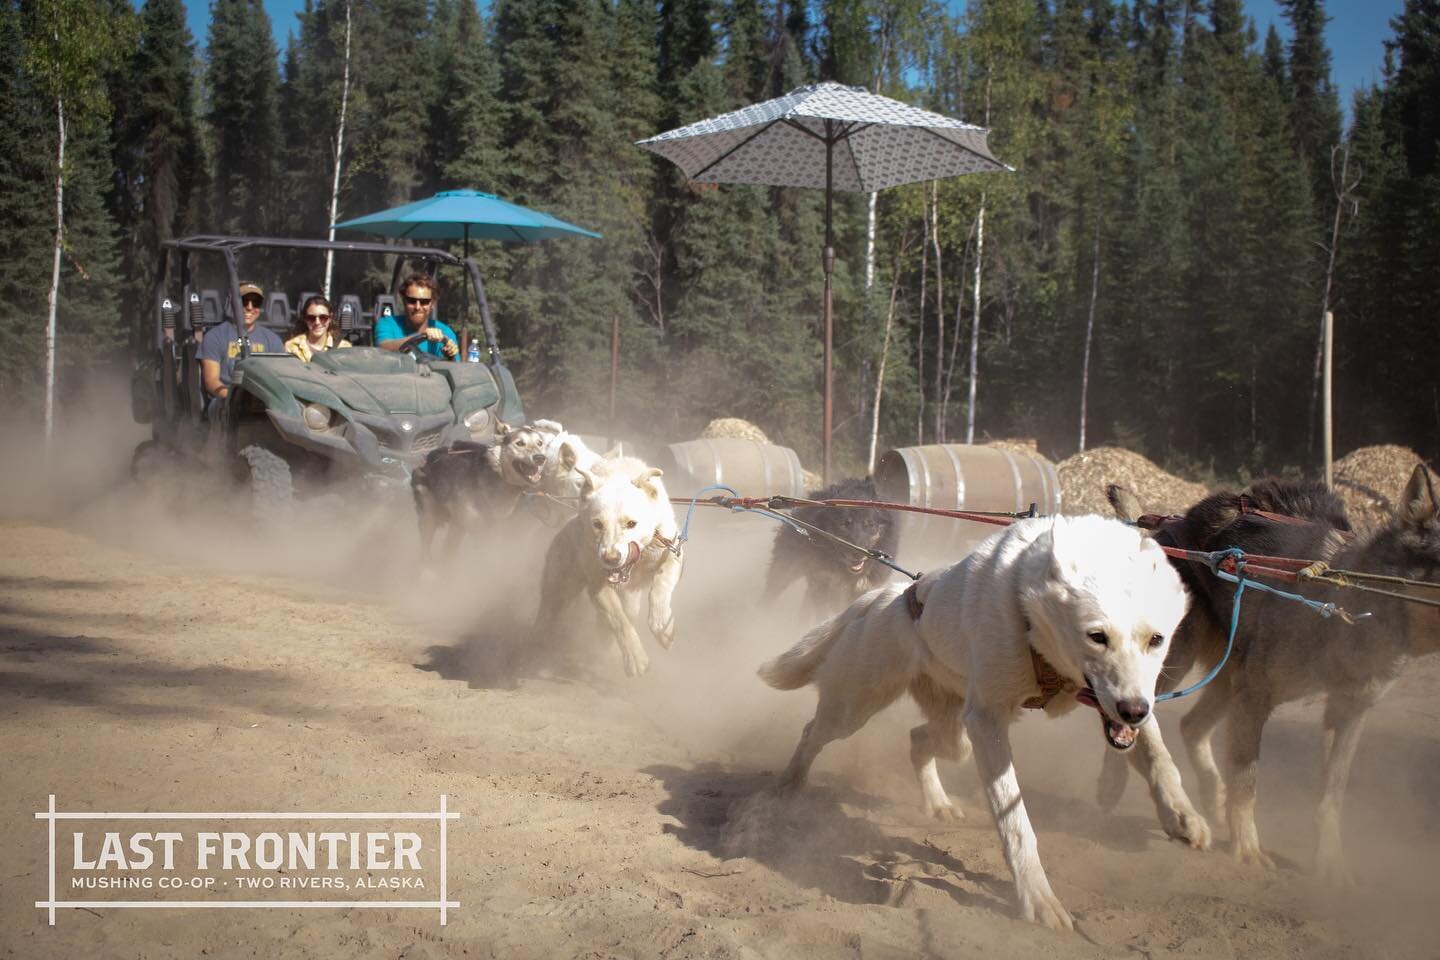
1038,904
664,630
945,812
1250,854
636,665
1187,826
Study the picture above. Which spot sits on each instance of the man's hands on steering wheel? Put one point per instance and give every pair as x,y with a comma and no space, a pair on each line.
411,344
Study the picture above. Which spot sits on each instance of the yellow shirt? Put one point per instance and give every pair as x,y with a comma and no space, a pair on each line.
300,345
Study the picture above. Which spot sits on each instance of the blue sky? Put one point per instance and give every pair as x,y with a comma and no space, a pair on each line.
1354,34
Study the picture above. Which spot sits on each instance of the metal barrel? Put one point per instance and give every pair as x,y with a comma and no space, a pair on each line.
959,476
751,469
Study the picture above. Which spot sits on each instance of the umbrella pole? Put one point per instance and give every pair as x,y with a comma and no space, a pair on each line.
828,261
465,302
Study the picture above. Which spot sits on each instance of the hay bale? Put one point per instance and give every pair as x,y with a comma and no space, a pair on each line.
1084,477
1370,481
735,428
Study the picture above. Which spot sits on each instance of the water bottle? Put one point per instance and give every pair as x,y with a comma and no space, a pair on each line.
472,355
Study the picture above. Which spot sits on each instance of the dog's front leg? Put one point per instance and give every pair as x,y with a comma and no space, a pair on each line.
612,608
662,589
1178,816
1344,718
990,735
1244,725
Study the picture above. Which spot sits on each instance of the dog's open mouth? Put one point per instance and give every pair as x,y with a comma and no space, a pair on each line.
529,471
1120,736
621,574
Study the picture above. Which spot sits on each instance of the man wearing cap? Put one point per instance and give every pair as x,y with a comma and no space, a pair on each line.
220,350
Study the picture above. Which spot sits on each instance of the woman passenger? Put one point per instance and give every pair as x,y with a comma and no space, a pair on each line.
315,319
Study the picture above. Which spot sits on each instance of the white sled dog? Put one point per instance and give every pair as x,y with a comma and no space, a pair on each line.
621,544
1049,605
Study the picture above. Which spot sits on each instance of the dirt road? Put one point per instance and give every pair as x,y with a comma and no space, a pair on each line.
216,667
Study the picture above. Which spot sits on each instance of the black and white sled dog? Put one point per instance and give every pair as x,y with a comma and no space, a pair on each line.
461,487
1050,604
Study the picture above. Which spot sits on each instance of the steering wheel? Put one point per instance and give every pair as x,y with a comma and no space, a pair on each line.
411,344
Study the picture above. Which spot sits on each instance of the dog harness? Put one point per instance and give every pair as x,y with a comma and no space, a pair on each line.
1047,678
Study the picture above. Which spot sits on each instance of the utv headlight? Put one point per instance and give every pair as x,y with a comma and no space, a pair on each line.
317,417
478,421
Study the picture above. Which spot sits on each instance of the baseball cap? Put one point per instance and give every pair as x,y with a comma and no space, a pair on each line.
248,287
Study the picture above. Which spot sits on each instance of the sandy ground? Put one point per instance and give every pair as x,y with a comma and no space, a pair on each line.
155,663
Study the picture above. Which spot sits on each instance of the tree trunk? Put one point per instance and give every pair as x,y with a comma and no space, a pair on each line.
54,300
1342,191
339,152
884,356
939,310
1089,333
920,334
975,323
955,331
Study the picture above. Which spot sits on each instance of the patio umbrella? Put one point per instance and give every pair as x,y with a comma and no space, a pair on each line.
463,215
831,136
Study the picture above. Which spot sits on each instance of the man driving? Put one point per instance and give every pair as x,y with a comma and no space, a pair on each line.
418,292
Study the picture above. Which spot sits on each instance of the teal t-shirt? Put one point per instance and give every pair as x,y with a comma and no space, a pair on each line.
390,328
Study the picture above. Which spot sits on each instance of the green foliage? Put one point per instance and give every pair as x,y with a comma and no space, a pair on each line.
1169,165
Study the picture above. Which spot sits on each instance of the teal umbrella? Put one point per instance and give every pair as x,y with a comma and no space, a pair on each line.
463,215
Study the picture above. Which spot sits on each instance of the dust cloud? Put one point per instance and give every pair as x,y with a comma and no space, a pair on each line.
857,832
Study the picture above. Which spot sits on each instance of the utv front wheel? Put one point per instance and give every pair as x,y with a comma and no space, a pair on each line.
271,487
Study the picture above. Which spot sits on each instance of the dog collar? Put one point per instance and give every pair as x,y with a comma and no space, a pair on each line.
912,601
1049,680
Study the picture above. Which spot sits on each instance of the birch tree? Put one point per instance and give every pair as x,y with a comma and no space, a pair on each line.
69,44
339,151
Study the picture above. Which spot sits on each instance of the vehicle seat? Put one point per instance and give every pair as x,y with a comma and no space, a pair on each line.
353,324
385,306
278,316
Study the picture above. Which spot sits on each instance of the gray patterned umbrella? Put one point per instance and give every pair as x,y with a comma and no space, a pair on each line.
829,136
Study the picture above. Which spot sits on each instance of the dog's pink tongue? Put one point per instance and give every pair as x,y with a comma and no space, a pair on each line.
1087,696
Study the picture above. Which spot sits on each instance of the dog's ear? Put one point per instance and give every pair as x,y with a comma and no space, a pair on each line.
567,456
502,430
1419,504
1123,501
644,482
548,426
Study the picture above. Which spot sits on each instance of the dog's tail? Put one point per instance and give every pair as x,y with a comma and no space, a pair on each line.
796,667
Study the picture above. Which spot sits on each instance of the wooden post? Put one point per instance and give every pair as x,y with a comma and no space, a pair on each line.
1329,407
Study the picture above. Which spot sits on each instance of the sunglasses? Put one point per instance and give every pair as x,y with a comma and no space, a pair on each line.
252,301
317,316
418,301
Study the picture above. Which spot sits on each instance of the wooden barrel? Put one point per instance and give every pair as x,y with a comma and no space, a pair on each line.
958,476
751,469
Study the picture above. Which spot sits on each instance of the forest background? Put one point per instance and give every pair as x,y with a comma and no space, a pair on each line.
1177,216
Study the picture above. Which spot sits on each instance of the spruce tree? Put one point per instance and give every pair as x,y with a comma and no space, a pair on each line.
243,80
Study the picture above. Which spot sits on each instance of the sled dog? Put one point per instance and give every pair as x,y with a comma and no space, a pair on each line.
834,575
460,487
621,546
1050,604
1284,651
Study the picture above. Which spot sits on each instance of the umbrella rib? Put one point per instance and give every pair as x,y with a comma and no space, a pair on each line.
962,146
726,155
